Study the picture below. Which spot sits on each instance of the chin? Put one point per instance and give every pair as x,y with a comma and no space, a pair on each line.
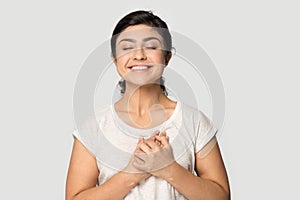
142,82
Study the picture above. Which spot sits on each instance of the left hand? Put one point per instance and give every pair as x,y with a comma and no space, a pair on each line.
156,155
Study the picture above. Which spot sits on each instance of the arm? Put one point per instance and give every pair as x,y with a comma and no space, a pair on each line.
211,182
83,174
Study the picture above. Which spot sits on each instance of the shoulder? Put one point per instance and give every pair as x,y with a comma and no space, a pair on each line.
198,118
92,122
188,110
102,112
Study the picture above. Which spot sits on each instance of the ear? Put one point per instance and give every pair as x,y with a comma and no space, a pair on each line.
168,58
113,59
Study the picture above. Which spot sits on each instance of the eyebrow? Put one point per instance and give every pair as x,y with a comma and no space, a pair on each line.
144,40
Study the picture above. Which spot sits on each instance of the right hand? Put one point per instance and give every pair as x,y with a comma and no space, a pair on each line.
130,168
156,156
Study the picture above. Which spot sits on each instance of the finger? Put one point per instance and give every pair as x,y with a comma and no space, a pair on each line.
157,142
168,138
154,134
163,133
140,139
152,144
137,149
144,147
138,158
163,140
139,166
152,137
141,158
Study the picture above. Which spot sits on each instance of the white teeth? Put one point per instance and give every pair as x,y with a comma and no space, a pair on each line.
139,67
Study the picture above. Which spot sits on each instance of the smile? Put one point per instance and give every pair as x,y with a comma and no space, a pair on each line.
140,68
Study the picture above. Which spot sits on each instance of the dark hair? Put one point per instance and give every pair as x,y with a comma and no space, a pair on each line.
147,18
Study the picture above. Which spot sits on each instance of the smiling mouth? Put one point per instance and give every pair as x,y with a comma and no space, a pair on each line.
140,67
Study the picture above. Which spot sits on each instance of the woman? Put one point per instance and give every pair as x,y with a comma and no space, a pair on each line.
145,146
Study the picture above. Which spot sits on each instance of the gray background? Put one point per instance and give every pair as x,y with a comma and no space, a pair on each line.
254,45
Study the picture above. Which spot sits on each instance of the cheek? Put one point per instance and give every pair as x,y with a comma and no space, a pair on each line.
121,70
122,55
123,58
120,66
157,57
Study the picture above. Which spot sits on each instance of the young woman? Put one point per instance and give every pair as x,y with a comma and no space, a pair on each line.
145,145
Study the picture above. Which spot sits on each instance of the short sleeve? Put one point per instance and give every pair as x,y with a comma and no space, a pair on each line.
205,131
86,134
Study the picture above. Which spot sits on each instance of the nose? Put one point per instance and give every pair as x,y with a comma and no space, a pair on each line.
139,54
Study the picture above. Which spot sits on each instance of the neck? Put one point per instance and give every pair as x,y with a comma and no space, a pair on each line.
140,99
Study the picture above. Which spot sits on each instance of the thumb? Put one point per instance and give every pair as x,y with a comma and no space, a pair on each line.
163,133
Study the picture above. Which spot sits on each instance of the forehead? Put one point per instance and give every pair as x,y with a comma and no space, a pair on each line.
139,32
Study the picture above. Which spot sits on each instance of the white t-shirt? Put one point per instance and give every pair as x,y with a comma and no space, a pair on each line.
112,142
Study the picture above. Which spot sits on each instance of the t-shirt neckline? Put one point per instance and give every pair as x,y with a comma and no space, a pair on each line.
135,131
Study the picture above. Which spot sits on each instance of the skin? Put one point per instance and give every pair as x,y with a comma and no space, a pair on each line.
141,104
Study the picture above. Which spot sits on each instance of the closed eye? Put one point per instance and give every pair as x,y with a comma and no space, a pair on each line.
151,47
127,48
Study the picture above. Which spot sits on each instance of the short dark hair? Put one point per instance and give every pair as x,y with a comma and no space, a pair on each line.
146,18
142,17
